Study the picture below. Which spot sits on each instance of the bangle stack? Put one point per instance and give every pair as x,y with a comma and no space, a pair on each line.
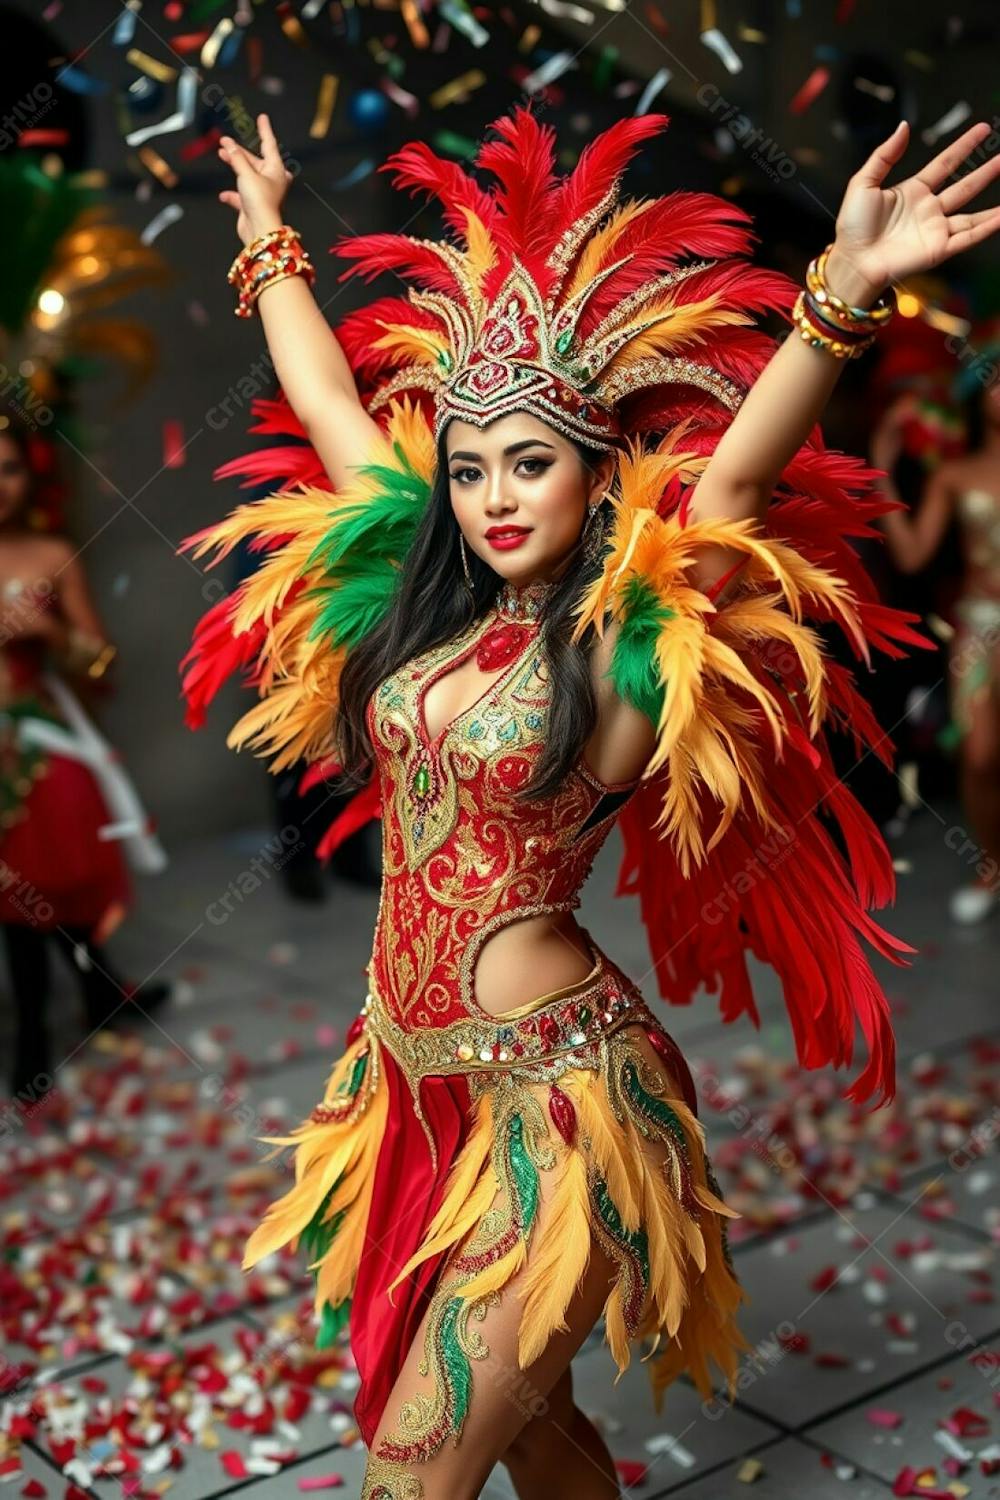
825,321
269,258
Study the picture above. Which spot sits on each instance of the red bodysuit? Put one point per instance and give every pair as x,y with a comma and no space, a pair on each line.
462,856
420,1172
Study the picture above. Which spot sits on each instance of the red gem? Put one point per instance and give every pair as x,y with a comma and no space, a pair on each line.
518,1049
563,1114
499,646
548,1030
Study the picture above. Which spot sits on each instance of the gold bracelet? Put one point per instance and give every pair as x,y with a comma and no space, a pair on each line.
854,318
269,258
87,654
821,338
279,236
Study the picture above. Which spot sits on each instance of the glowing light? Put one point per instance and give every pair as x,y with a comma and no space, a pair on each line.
907,305
51,302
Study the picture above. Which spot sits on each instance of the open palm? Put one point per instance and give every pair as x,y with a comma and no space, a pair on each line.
893,232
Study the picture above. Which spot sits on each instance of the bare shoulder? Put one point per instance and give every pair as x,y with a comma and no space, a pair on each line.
49,555
624,738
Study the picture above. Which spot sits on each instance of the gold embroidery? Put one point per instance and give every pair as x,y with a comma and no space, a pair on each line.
389,1482
520,1151
459,870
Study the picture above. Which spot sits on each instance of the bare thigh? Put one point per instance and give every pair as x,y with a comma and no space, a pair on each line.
502,1398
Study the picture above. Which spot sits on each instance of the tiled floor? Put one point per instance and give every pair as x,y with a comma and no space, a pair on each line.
866,1245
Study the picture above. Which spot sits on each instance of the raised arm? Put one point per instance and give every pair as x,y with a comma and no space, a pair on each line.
914,537
310,364
882,235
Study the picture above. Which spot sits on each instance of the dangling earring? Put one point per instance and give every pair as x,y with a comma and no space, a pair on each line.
593,537
465,565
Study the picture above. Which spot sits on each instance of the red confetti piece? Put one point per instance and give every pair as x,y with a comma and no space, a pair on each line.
173,443
879,1416
234,1466
323,1482
810,90
631,1473
964,1422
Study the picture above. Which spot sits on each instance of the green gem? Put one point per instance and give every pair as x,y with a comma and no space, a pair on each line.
422,782
584,1014
564,340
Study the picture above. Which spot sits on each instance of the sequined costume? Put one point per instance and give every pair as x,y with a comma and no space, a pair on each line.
418,1178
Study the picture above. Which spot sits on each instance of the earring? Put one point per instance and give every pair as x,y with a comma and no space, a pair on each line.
593,536
465,565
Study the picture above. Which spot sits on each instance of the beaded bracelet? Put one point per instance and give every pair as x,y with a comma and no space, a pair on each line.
269,258
835,310
812,331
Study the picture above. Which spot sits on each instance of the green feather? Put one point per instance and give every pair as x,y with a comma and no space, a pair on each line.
633,663
651,1107
332,1321
361,553
523,1173
319,1234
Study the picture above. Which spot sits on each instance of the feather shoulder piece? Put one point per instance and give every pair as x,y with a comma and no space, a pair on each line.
740,838
328,577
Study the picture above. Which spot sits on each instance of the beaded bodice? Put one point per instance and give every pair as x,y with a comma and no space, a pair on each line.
462,856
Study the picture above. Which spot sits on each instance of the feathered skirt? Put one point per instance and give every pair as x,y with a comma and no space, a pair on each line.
426,1157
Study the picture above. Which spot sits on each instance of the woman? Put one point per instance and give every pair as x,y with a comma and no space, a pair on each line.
967,489
526,622
63,880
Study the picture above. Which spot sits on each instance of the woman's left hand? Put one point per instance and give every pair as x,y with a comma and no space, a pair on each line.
887,233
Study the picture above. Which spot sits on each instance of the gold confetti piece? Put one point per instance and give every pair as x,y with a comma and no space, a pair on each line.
419,35
750,34
151,66
161,170
749,1470
564,10
211,49
458,90
882,91
529,38
293,29
209,1438
325,100
918,59
709,19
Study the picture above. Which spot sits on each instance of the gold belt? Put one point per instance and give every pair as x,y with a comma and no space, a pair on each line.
537,1044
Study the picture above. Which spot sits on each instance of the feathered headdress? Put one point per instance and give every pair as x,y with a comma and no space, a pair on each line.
561,300
610,321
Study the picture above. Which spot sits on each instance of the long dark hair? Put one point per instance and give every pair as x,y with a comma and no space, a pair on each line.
432,605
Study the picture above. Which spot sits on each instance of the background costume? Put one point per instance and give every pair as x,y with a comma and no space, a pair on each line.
628,325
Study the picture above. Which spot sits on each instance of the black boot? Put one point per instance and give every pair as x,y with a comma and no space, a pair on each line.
107,997
29,970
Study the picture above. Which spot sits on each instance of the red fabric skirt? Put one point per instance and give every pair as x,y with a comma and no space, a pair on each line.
406,1196
54,870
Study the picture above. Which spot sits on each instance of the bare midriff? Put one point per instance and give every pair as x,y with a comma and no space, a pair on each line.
528,959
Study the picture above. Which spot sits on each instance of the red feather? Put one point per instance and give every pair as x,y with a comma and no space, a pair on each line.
416,166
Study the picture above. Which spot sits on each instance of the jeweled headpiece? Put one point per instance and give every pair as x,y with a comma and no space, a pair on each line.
560,300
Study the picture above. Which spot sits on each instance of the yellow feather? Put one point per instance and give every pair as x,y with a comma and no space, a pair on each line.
678,326
599,249
609,1148
560,1250
410,344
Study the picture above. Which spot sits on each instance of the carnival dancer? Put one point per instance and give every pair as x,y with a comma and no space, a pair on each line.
71,819
551,566
965,489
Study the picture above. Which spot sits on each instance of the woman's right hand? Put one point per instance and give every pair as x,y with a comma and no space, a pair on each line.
261,183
